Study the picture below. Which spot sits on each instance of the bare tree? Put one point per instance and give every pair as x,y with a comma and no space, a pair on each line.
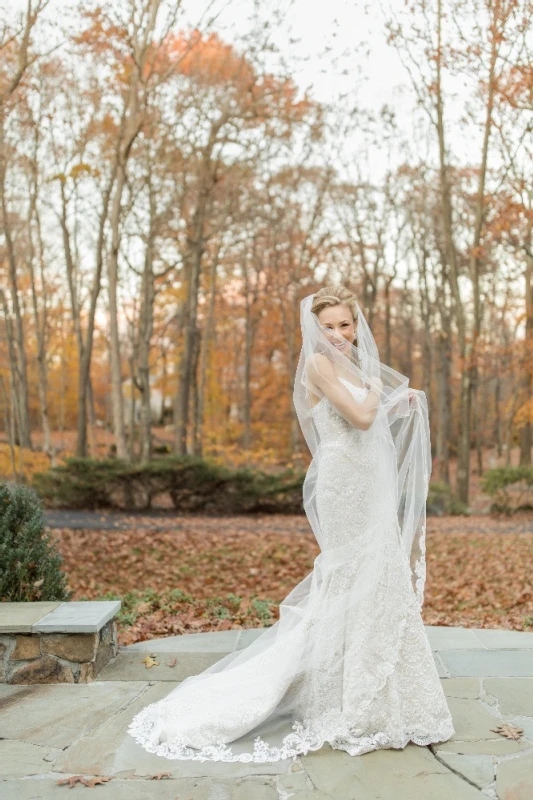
16,46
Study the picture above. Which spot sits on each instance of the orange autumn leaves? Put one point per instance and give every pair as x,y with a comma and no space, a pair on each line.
199,573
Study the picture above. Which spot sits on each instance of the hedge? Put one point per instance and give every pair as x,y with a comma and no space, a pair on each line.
192,484
511,488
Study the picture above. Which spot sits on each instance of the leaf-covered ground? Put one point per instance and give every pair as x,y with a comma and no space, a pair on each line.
202,573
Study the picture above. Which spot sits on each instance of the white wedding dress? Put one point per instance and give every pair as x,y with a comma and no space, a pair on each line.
358,673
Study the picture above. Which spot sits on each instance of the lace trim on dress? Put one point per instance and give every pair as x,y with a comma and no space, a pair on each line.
293,745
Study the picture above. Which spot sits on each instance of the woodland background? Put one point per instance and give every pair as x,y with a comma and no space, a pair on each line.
168,196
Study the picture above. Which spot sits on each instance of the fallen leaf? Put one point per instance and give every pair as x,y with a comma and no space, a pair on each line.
509,731
72,781
160,776
92,782
173,662
89,782
38,583
150,661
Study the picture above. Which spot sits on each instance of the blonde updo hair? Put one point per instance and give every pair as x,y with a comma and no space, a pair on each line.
334,295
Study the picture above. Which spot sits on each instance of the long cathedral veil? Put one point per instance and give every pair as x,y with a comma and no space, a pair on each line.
285,693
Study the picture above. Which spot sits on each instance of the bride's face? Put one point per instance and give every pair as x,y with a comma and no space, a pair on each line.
338,325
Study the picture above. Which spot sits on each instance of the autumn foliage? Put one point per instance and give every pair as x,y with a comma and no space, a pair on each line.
168,197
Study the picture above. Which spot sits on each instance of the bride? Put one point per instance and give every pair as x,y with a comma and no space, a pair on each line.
348,663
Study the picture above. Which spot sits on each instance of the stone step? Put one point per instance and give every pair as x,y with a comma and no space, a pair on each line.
79,616
54,642
21,617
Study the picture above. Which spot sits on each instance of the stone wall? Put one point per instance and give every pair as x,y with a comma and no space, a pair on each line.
27,658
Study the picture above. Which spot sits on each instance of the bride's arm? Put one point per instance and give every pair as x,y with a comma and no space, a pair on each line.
321,373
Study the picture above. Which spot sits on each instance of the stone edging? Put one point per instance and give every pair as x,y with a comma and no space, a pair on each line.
56,642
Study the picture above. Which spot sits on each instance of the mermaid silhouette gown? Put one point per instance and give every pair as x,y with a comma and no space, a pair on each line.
348,663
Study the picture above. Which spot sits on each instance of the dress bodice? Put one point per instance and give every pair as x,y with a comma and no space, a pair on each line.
359,392
335,431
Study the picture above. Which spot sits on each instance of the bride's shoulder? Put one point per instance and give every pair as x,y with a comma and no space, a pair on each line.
319,363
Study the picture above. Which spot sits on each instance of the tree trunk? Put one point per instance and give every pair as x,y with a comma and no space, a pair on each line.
11,349
525,433
248,344
292,360
63,384
145,337
193,265
388,329
93,443
117,400
478,405
185,374
497,417
525,441
40,319
193,387
443,407
131,431
204,358
427,345
19,361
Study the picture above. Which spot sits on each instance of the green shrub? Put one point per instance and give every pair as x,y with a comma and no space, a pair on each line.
192,484
30,564
442,501
161,448
511,488
80,483
439,497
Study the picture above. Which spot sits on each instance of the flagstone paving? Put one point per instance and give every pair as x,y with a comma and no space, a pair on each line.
52,732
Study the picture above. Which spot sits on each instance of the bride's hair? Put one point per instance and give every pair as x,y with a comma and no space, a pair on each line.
335,295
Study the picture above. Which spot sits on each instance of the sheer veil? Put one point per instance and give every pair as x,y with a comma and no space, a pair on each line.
314,676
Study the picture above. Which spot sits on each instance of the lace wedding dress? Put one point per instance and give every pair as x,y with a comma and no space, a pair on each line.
348,663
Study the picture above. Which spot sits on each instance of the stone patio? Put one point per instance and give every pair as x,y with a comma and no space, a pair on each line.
50,732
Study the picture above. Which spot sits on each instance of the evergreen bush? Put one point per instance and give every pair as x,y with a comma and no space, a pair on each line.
511,488
30,564
191,483
442,501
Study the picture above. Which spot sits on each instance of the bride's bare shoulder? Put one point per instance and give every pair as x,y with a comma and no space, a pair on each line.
318,363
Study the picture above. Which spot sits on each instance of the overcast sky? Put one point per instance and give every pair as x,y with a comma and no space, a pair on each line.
340,49
342,25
